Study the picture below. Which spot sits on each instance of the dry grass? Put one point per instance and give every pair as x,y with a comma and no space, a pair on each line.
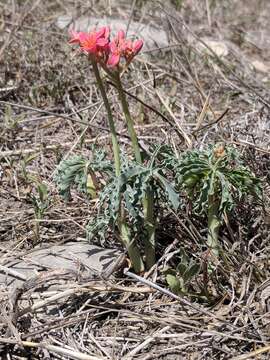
49,108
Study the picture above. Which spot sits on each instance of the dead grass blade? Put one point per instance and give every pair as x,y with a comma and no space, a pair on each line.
252,354
52,348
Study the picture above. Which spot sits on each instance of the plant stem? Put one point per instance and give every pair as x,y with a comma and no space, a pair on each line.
132,248
116,148
130,124
213,226
149,244
148,203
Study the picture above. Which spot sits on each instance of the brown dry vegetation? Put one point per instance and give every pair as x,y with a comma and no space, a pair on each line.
50,107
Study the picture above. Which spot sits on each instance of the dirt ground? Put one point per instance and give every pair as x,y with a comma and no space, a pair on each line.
203,77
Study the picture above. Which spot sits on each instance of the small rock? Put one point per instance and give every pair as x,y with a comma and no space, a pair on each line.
260,66
219,48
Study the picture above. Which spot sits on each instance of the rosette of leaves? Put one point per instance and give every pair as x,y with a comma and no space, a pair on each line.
216,181
179,278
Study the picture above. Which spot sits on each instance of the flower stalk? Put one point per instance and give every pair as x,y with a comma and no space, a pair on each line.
129,120
132,248
115,144
149,243
148,201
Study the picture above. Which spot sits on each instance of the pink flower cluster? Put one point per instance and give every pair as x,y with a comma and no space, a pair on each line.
98,45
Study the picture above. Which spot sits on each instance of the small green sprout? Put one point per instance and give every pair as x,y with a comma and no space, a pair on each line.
40,202
179,279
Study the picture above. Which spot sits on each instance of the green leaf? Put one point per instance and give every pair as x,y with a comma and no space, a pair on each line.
173,196
42,192
184,257
181,268
193,270
74,171
91,187
170,271
29,159
173,283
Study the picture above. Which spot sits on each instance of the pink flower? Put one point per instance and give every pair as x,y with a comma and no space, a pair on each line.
137,46
93,42
77,37
120,35
115,49
122,47
99,47
114,54
131,49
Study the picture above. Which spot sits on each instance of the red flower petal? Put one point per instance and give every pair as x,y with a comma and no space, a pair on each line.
100,33
113,60
121,35
102,42
77,37
136,46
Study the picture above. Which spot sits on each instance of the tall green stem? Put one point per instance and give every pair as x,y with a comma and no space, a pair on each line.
116,148
130,124
148,203
132,248
213,226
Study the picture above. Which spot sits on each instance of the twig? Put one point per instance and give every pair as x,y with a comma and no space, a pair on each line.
246,143
12,272
203,112
252,354
157,112
57,349
47,148
17,26
183,133
48,112
218,58
145,343
131,15
212,123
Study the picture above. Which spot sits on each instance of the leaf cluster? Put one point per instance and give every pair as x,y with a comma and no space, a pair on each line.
80,173
128,191
216,174
125,192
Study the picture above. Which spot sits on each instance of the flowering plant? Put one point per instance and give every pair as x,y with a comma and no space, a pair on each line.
127,201
134,186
